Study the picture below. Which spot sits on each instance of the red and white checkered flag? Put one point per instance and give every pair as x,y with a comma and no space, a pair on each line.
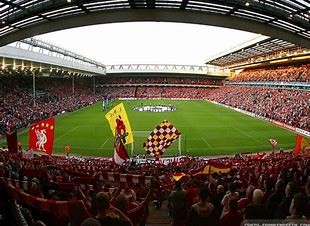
161,138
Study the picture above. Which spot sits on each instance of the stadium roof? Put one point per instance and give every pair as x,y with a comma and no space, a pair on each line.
38,54
282,19
254,49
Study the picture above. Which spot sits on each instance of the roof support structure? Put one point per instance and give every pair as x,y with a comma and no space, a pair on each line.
161,14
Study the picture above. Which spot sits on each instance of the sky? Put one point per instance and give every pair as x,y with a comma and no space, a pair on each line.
149,42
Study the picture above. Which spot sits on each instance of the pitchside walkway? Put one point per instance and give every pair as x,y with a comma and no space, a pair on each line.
158,217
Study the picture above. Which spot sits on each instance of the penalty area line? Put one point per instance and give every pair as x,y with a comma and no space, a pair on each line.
247,135
104,143
66,133
209,146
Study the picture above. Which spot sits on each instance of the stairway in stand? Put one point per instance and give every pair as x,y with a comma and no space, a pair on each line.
158,217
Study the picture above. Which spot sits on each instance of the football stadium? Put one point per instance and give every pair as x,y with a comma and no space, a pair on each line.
215,132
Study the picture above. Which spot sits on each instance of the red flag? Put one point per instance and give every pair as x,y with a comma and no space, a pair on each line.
41,136
120,153
11,140
273,142
301,144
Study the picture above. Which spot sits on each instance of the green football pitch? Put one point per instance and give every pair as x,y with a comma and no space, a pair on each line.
207,129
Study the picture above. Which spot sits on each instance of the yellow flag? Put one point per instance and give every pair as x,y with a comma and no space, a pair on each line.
178,176
119,123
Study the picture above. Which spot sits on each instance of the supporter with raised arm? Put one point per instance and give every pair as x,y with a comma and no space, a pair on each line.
233,217
108,215
203,213
230,194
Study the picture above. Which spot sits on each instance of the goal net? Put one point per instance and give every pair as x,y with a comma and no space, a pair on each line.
139,137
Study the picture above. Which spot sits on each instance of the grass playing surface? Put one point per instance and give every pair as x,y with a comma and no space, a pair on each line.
207,129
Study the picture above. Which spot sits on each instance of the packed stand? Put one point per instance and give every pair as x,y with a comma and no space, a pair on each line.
155,92
76,184
259,186
53,96
287,106
290,73
262,187
116,92
160,80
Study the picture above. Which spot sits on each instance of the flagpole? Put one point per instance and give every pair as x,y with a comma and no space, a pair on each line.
73,85
94,85
34,88
180,152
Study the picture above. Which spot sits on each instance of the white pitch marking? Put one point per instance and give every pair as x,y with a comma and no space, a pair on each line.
104,143
245,134
66,133
206,143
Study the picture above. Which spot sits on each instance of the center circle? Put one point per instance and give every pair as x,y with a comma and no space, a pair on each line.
156,108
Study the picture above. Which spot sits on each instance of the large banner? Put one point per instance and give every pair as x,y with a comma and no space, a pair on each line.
41,136
119,123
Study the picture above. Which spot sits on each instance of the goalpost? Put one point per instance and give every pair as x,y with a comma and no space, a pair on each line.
140,137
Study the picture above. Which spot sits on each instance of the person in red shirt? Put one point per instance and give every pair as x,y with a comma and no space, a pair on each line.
243,202
191,195
233,217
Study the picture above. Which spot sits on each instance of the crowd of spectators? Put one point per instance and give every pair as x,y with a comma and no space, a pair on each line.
53,96
114,92
145,92
290,73
287,106
172,92
264,186
160,80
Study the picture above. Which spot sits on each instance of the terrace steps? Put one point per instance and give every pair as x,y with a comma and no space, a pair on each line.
158,217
